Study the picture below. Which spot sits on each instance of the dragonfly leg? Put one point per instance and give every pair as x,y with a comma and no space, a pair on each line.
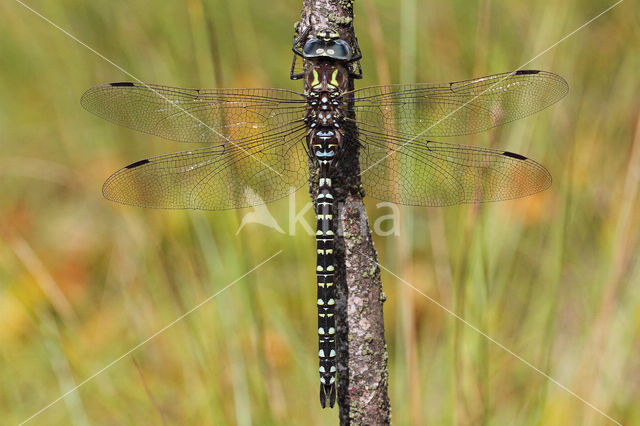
298,40
292,74
356,58
297,52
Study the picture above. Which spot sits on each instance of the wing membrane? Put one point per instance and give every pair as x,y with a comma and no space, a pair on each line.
194,115
215,178
458,108
427,173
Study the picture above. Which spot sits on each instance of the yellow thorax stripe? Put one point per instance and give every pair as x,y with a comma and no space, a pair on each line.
316,79
334,82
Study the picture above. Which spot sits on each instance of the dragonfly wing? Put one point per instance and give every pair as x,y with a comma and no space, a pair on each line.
427,173
458,108
196,115
215,178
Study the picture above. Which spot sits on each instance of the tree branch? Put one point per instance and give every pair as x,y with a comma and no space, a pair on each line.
361,349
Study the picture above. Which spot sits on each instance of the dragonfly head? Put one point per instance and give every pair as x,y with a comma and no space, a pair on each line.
327,44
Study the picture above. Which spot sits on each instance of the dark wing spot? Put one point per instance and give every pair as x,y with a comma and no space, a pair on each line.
523,72
136,164
122,84
514,155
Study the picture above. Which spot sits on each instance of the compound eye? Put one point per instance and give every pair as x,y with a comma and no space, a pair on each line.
320,51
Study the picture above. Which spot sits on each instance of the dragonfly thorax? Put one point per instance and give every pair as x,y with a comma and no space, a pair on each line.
324,85
326,76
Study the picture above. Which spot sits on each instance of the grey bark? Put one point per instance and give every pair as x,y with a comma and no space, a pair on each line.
361,348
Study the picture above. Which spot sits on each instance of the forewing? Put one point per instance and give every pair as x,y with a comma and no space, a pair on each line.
458,108
426,173
215,178
196,115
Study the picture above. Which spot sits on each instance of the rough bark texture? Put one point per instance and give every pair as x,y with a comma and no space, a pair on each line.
361,347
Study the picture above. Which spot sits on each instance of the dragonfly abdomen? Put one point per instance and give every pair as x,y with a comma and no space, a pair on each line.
325,143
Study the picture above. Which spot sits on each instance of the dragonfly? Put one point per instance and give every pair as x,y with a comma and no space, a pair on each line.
258,145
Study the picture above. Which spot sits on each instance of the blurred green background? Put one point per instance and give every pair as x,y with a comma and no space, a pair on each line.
554,277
